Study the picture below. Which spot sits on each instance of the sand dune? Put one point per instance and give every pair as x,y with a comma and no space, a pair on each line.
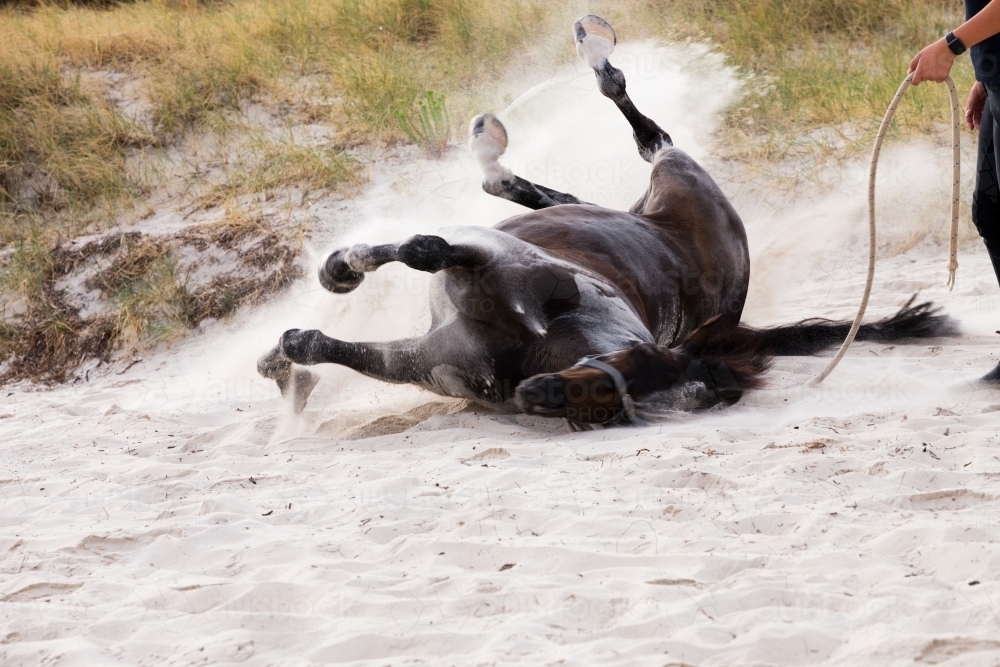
178,513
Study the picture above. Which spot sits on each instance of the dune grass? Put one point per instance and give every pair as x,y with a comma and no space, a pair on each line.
819,74
828,65
265,165
815,63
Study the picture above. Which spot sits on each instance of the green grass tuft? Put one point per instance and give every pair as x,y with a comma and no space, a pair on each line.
426,123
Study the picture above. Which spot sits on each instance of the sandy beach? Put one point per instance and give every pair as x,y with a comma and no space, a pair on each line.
175,512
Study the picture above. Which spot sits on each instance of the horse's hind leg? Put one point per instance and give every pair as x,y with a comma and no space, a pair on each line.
488,141
595,40
344,269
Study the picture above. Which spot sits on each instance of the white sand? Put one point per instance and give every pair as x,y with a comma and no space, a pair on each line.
178,514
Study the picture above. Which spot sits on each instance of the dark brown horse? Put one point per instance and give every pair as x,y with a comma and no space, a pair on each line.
578,311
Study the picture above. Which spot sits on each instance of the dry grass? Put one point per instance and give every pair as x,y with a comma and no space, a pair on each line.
819,74
831,64
146,287
271,164
817,62
202,59
58,144
69,153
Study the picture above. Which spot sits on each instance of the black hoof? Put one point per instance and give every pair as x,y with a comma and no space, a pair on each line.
302,347
336,276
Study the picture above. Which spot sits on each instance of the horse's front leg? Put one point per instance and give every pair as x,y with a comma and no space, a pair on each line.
344,269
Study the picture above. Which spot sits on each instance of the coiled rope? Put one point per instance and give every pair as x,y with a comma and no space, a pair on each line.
953,244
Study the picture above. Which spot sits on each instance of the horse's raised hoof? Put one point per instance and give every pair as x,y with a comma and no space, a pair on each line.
487,128
595,40
337,276
488,141
301,347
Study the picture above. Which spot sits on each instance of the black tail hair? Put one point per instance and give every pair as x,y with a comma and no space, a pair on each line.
814,335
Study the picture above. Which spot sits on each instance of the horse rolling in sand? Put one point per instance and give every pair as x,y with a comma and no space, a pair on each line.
578,311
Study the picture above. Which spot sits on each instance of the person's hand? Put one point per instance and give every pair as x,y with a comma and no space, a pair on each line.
933,63
974,107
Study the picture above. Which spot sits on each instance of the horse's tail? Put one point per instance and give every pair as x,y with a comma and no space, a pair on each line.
815,335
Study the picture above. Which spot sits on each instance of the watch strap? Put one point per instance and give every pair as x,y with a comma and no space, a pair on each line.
954,44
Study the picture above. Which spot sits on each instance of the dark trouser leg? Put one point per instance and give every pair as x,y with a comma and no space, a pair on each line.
986,198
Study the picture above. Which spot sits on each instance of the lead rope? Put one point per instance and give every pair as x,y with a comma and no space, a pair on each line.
953,243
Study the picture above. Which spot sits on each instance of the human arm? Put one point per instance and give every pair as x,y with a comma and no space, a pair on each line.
934,61
974,107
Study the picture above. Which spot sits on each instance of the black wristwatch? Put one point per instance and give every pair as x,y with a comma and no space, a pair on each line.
955,44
